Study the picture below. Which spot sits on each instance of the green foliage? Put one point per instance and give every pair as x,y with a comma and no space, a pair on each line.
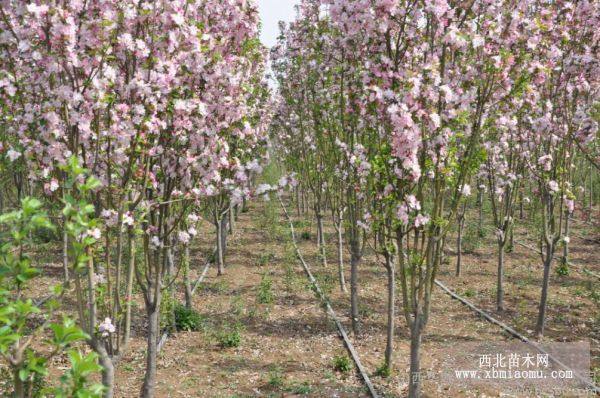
265,259
563,268
188,319
342,363
74,383
383,371
265,293
167,311
276,379
230,336
301,388
28,363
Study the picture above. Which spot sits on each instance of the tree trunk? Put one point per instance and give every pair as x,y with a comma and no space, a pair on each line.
321,238
541,321
231,221
19,386
500,282
340,248
391,311
461,225
65,254
186,277
224,228
565,258
153,312
480,203
414,385
521,205
354,261
129,288
220,264
108,371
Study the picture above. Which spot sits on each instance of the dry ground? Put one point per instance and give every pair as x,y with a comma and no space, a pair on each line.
288,346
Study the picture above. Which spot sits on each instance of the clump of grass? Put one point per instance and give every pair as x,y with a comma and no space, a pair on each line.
305,235
342,363
383,371
276,379
188,319
265,259
302,388
230,336
265,292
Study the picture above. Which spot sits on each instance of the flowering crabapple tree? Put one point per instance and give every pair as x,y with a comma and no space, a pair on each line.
134,91
436,70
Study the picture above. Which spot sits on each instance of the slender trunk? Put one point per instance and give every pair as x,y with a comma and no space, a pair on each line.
19,385
459,248
480,203
220,265
65,253
340,248
521,215
152,350
224,228
500,282
244,205
414,385
541,321
591,204
391,312
129,288
108,371
354,262
186,276
565,258
321,238
297,189
231,221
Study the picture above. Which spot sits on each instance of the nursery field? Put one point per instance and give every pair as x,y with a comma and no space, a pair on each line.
370,198
260,330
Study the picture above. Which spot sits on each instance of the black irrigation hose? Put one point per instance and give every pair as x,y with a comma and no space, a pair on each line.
328,307
516,334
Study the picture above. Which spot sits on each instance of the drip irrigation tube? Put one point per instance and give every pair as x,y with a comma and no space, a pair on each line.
514,333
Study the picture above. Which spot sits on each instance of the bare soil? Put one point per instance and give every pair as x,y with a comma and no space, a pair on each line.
288,346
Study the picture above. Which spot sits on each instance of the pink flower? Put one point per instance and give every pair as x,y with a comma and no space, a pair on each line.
106,328
421,220
13,155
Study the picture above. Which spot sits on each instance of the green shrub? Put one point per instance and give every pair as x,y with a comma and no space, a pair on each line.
265,292
276,378
383,371
188,319
230,337
563,268
302,388
342,363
